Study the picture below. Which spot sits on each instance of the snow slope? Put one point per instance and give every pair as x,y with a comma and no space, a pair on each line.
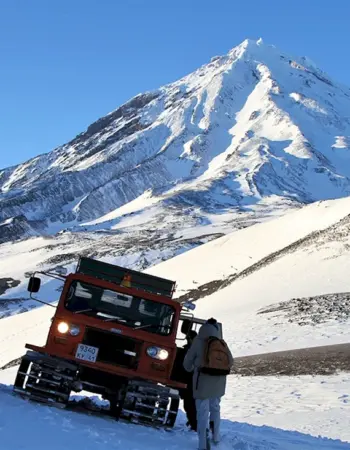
254,401
303,254
238,250
244,138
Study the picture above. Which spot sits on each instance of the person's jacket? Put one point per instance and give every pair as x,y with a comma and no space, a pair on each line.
204,386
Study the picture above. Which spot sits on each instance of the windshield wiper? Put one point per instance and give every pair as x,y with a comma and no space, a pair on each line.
140,327
83,311
117,319
110,318
149,325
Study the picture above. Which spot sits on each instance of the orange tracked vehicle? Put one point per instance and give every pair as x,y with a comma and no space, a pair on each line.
115,333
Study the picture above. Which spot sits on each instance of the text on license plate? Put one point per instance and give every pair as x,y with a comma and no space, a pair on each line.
86,353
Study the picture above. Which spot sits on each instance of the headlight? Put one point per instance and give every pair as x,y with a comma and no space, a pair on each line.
152,352
74,330
63,327
157,353
163,354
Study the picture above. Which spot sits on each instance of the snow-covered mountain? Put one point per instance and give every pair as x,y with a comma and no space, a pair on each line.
244,137
241,140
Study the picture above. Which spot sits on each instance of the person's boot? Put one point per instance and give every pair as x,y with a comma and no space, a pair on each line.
191,425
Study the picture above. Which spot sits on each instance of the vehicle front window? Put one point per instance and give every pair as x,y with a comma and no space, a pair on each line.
132,311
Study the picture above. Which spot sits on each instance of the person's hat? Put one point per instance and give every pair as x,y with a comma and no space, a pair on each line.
213,321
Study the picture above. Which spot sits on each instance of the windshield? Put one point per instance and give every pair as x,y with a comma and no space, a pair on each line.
112,306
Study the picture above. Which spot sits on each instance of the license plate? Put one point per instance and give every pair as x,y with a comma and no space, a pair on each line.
86,353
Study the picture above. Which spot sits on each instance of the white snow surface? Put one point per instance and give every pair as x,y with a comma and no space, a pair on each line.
239,250
258,414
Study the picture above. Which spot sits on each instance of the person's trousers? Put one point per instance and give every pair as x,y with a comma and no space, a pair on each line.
208,410
190,409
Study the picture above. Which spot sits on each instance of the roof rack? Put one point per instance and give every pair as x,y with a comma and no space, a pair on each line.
127,277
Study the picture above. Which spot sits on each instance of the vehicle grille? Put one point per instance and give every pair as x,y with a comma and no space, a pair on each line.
113,348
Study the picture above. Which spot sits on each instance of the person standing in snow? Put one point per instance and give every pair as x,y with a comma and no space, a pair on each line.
180,374
210,360
187,394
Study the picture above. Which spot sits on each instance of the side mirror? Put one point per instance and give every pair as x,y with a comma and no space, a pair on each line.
34,284
189,305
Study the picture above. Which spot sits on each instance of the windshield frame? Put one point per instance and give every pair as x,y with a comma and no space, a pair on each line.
136,294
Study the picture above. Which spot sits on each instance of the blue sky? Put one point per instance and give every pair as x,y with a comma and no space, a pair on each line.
65,63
